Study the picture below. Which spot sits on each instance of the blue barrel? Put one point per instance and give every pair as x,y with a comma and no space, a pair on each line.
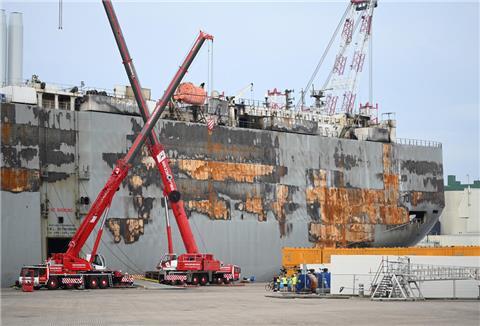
303,283
327,276
324,279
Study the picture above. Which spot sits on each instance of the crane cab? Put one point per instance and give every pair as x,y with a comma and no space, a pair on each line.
99,263
168,262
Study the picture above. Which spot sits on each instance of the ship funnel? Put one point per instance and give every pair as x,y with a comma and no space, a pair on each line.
3,48
15,49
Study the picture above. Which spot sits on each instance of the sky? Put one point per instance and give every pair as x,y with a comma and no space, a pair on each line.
425,55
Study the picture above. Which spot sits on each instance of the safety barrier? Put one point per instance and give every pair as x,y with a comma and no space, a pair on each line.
418,142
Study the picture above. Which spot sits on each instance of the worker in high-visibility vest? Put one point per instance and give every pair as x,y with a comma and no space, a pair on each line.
294,283
284,283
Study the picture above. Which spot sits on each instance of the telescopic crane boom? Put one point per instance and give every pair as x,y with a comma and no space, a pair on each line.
69,268
121,169
192,267
155,147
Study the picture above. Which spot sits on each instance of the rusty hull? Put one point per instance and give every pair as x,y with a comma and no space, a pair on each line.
239,172
247,192
346,216
231,170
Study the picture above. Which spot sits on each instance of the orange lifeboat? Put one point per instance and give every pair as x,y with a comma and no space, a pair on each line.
190,94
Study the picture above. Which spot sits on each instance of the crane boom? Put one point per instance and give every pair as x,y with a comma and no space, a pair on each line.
192,267
69,270
121,169
243,90
155,147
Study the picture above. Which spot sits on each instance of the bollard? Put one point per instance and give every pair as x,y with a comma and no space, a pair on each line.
361,290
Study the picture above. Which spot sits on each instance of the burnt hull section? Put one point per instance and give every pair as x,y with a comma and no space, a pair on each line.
248,193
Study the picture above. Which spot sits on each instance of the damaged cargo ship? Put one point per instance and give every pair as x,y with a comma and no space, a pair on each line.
262,179
254,176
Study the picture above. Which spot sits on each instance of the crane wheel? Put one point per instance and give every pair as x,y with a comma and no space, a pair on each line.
203,280
92,282
219,280
195,280
226,281
52,283
103,283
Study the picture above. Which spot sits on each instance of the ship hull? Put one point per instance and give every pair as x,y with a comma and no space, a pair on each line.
247,192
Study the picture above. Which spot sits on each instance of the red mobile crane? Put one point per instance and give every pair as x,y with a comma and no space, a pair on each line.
68,269
192,267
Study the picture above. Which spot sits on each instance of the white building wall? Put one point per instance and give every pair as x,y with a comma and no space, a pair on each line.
449,240
461,214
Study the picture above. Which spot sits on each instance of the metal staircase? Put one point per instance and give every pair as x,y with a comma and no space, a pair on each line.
398,280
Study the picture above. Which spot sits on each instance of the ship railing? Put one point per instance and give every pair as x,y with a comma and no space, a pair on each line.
418,142
68,87
250,102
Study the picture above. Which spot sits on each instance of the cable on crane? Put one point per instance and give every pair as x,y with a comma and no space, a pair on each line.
354,29
211,69
209,89
324,55
199,235
134,268
370,64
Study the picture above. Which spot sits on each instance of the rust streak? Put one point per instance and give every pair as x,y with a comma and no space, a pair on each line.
278,207
19,179
348,215
254,204
213,208
416,197
231,148
221,171
6,131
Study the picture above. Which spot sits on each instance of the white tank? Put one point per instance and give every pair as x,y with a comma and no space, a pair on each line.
3,48
15,49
